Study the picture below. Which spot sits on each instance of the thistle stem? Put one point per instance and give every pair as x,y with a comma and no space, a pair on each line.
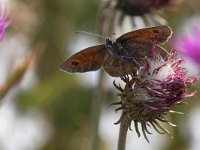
96,111
123,133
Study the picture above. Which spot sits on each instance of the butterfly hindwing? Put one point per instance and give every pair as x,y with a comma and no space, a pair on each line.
137,54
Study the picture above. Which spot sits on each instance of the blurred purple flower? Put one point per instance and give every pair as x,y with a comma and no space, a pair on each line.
189,45
4,22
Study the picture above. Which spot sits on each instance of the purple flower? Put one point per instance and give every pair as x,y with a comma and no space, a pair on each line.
159,85
4,22
189,45
165,81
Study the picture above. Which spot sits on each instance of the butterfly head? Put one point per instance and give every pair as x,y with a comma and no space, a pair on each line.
109,45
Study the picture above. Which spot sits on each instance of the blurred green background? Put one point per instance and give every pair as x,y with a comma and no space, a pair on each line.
51,110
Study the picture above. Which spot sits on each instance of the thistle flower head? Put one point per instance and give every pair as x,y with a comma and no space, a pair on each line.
160,84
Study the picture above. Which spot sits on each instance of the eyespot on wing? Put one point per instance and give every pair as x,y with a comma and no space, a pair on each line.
89,59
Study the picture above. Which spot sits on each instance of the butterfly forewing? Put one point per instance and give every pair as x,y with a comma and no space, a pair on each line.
157,35
89,59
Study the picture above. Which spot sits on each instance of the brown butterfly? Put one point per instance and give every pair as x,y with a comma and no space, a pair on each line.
120,57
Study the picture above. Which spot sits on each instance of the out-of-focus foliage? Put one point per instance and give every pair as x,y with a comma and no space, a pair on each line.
59,96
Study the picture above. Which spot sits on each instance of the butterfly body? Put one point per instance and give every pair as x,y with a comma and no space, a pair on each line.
115,48
120,57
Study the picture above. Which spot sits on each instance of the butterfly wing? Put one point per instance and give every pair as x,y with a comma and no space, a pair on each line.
140,50
137,45
89,59
157,34
118,67
140,43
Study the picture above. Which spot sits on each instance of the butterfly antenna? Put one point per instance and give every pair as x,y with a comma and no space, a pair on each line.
90,34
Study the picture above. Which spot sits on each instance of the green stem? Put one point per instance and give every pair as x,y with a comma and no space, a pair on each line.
123,133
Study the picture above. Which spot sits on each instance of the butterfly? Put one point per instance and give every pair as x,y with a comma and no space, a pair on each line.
120,57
